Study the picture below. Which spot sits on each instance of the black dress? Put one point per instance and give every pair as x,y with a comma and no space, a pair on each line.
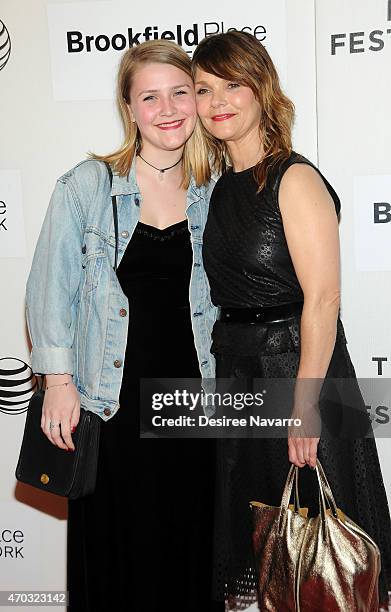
143,539
248,265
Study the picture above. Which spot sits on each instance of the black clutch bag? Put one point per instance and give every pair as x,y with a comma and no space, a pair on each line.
44,465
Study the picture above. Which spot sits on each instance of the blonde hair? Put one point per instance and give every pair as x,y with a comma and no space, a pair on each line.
240,57
195,161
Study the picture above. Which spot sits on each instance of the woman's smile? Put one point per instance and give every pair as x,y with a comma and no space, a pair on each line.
171,125
223,117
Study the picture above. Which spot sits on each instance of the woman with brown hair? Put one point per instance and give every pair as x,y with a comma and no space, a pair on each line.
143,539
271,254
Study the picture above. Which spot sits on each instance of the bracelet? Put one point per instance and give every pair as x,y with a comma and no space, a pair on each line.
57,385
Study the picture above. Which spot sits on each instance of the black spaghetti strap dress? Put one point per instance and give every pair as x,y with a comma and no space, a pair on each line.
248,265
143,540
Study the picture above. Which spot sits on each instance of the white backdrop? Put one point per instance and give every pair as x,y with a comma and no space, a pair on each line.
57,103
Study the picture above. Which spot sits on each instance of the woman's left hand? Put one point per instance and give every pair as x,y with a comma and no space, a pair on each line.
303,451
303,438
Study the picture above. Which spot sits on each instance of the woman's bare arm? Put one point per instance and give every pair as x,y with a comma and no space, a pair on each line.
311,230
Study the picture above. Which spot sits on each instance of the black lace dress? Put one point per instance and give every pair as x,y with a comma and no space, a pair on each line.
143,540
248,264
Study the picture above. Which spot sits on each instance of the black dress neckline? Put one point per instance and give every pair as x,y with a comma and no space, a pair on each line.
163,229
242,172
166,234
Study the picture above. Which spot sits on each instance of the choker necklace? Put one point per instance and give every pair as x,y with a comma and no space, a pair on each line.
161,170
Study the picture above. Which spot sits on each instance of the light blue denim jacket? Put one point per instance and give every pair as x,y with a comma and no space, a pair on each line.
77,313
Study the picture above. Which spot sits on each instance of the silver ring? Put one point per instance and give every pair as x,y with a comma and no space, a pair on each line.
53,425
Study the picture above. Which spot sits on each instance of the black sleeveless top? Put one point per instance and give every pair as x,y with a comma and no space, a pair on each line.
245,252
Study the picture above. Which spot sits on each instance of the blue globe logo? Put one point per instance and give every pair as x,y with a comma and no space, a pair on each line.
5,45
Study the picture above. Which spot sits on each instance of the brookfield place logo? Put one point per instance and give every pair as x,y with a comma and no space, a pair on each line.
5,45
186,36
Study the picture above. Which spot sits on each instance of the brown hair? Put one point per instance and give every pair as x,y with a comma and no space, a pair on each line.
161,52
240,57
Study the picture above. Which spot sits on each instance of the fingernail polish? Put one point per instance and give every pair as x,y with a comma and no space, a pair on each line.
73,429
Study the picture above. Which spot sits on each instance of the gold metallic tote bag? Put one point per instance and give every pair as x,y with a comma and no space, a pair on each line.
325,564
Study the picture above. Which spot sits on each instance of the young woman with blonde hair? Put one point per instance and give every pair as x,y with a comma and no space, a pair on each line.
143,539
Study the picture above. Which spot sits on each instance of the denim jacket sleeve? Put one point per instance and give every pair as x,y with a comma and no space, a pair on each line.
53,283
211,310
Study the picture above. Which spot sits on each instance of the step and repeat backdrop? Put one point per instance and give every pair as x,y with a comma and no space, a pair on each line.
58,62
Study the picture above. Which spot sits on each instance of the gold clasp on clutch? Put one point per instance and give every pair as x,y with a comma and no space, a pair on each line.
44,478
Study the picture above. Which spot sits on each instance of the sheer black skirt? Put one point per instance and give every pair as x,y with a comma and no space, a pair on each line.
256,469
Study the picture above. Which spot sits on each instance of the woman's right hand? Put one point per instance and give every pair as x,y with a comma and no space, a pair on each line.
61,406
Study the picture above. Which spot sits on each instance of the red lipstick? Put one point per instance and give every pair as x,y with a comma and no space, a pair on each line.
223,117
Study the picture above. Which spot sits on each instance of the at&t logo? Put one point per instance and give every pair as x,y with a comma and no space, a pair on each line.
17,384
5,45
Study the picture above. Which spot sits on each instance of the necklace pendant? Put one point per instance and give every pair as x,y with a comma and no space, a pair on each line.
161,175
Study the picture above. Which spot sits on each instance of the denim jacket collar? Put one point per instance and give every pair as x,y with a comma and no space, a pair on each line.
126,185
